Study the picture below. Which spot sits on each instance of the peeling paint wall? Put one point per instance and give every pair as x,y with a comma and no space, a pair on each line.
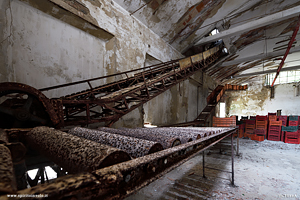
256,100
51,42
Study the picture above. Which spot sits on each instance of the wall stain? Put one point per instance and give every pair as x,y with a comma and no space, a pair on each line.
69,17
59,71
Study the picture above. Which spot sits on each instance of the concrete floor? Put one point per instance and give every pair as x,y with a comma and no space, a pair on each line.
264,170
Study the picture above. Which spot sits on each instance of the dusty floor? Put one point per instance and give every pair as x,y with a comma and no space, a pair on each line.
264,170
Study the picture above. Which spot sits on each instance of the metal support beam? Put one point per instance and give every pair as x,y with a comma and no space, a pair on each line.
286,14
287,50
232,162
259,57
266,72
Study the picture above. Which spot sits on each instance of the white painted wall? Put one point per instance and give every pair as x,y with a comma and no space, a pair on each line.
256,100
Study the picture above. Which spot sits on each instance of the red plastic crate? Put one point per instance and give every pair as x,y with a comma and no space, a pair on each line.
283,118
273,138
272,118
274,128
292,134
271,114
275,123
249,121
261,118
293,123
260,131
282,136
292,141
261,124
241,126
260,138
241,133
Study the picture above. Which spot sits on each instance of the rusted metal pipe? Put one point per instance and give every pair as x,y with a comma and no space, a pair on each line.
133,146
73,153
166,141
7,177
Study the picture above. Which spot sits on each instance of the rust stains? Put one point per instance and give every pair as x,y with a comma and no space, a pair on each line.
259,33
195,16
78,6
74,13
291,26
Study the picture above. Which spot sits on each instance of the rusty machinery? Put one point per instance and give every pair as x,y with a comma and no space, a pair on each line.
24,106
98,171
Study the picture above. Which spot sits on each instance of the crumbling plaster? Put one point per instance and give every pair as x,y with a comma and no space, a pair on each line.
256,100
42,46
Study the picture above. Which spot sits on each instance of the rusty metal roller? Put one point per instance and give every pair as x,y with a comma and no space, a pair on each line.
133,146
209,130
202,132
184,135
73,153
7,178
166,141
3,137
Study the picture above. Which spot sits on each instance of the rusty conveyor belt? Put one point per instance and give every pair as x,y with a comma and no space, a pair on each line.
133,146
122,179
105,103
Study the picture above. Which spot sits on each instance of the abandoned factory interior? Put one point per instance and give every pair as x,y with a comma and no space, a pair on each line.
149,99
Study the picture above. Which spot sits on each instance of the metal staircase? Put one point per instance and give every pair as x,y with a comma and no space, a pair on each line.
212,100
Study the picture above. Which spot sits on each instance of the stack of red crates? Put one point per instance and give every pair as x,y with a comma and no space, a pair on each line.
292,137
293,120
274,132
259,135
249,128
241,130
261,125
284,119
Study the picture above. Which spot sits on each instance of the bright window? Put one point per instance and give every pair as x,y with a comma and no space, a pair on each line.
283,77
222,109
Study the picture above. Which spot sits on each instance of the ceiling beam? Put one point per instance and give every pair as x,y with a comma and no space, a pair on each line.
273,18
259,57
267,72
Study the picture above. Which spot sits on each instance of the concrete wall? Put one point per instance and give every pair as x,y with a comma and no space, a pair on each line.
256,100
51,42
181,103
